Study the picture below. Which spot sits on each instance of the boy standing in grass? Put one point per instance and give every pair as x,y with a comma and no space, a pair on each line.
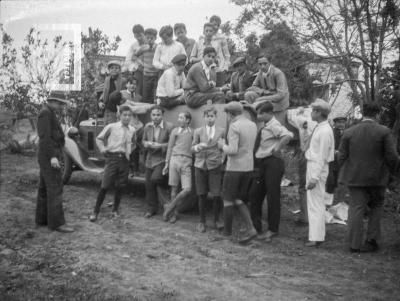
179,164
116,141
208,166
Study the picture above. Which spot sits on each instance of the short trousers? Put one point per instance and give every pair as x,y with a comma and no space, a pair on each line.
180,171
236,185
208,181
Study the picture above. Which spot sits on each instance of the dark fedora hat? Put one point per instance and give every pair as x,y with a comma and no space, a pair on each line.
58,96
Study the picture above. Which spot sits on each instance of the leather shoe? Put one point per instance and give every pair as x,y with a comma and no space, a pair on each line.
167,212
149,215
173,218
312,243
218,225
64,229
93,217
370,246
248,236
201,227
354,250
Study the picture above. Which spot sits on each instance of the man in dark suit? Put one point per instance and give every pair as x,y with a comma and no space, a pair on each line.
49,208
155,140
367,155
200,83
241,80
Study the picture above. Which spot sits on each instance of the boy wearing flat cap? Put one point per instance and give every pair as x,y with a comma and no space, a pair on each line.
239,150
49,208
320,152
113,82
201,82
170,85
241,80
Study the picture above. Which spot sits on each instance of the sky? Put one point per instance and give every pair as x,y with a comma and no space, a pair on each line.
113,17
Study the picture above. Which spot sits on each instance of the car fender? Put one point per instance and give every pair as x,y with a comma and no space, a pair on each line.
71,148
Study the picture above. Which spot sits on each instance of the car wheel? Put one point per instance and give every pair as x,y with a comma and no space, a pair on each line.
66,167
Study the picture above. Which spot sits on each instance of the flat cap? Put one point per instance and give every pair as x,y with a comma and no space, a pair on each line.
179,59
233,107
321,105
58,96
113,62
339,118
239,60
262,59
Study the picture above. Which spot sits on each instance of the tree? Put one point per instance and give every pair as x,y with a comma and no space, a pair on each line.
42,63
343,31
15,92
94,44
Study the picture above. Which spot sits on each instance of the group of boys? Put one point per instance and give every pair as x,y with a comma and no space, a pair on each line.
254,167
169,159
184,71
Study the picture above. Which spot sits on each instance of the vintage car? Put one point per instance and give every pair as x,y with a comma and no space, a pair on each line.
81,152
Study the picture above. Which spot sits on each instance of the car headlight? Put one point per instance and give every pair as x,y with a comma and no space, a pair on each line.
73,132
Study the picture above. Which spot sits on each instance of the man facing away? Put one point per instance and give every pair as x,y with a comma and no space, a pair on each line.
320,152
200,83
269,85
170,85
239,150
367,155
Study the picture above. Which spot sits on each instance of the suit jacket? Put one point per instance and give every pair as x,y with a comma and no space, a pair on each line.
240,86
211,157
277,84
127,96
241,139
119,83
155,157
367,154
197,81
51,135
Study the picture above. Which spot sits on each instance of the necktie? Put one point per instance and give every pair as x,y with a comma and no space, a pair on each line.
156,133
209,133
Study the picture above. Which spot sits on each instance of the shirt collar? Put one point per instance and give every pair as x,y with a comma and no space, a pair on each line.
205,67
123,126
161,125
273,119
182,130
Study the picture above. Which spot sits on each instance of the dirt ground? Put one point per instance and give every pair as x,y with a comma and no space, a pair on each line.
133,258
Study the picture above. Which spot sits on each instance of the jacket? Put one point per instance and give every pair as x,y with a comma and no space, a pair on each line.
276,83
211,157
51,135
367,155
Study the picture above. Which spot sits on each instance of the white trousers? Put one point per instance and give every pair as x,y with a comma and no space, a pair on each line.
316,205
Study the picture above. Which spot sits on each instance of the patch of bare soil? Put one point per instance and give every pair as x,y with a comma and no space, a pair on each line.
133,258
